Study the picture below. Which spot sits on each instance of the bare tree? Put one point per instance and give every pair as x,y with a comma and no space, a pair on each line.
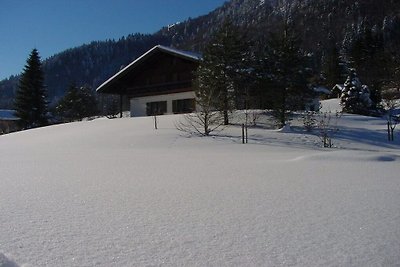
324,122
327,126
391,104
202,123
205,120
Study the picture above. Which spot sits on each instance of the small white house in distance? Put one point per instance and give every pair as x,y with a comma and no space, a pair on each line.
8,121
158,82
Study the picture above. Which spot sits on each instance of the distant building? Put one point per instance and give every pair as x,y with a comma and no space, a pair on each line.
320,92
337,90
158,82
8,121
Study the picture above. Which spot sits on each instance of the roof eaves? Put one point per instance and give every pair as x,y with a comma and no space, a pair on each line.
120,73
188,55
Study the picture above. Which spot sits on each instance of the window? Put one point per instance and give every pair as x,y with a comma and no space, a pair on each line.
183,105
156,108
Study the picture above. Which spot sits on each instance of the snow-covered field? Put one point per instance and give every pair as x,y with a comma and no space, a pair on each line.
119,193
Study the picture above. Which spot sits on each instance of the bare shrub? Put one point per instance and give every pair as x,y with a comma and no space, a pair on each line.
309,120
202,122
327,126
392,118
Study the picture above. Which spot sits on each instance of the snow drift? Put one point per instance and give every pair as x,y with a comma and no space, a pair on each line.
119,193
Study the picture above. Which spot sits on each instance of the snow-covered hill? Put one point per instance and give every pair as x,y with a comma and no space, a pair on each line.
119,193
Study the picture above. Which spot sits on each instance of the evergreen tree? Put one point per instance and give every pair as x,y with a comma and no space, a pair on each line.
110,106
284,71
77,104
367,54
30,100
332,66
355,96
217,82
223,58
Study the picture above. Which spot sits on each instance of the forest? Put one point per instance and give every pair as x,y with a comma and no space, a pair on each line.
338,35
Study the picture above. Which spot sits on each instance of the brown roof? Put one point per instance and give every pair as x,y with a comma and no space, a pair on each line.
111,86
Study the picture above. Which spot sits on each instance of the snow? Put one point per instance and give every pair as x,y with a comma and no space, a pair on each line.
119,193
6,262
332,105
7,114
187,54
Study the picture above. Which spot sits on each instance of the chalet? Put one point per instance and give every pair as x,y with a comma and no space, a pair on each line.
8,121
158,82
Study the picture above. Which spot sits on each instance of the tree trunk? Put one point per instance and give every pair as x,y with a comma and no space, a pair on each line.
120,105
226,117
206,129
242,133
392,133
226,108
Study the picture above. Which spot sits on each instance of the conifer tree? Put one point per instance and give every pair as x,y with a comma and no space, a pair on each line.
332,66
30,100
77,104
284,72
223,57
355,96
367,54
216,82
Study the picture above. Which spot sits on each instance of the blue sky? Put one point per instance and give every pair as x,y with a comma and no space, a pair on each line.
52,26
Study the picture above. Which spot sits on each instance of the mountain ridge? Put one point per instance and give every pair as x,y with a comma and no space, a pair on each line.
317,23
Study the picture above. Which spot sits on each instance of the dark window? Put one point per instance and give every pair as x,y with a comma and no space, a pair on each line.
156,108
183,105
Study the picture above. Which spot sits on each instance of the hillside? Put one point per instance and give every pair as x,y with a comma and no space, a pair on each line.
321,25
89,65
119,193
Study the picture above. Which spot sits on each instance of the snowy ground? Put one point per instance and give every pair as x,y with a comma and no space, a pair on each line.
119,193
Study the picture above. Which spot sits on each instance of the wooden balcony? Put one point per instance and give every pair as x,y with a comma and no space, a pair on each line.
159,89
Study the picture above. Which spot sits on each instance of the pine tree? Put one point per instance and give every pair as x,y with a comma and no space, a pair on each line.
77,104
30,100
355,96
332,66
110,106
217,82
283,70
367,54
223,57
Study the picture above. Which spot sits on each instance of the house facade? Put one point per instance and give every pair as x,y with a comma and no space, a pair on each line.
158,82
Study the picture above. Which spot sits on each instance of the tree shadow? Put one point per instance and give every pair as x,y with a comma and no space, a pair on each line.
365,136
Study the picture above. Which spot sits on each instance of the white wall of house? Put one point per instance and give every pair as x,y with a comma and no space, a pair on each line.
138,104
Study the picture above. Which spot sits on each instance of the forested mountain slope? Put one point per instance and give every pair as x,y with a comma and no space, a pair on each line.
359,31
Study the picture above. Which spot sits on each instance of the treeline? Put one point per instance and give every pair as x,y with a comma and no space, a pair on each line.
281,76
85,66
234,75
339,34
31,105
